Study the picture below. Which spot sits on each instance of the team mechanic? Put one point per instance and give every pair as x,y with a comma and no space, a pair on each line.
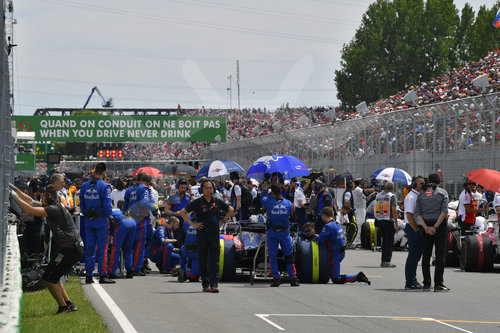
162,249
189,251
278,212
174,205
140,204
69,244
333,235
123,236
95,204
207,209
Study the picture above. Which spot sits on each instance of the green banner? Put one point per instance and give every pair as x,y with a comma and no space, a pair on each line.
124,128
25,162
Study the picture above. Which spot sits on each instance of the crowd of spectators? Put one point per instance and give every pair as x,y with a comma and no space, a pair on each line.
455,84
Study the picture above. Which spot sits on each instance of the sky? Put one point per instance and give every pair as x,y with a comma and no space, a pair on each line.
161,53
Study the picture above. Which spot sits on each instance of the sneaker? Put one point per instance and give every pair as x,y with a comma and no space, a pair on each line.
275,282
130,274
426,288
214,290
106,280
71,306
440,288
63,308
294,282
182,276
415,286
206,289
362,278
387,265
141,273
89,280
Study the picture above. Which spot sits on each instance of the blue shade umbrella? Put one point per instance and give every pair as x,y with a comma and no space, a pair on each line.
289,166
392,174
218,168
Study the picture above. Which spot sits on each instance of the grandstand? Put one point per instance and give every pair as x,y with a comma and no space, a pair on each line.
460,136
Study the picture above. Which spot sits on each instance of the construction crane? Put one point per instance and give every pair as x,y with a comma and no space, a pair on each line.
105,103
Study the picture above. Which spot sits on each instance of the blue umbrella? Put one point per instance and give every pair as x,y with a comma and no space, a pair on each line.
392,174
218,168
289,166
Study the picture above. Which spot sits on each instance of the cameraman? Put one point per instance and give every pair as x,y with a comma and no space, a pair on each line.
431,210
69,244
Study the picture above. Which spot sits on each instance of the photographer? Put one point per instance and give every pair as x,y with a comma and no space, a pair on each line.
69,244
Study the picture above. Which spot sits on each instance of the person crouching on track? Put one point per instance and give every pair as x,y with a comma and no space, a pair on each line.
123,236
189,251
162,251
95,203
278,212
67,238
333,235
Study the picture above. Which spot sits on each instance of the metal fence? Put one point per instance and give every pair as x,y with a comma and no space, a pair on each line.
10,276
459,136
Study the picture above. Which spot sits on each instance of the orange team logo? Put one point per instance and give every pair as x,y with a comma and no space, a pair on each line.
24,126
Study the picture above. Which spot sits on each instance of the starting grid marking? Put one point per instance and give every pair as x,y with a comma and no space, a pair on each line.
265,317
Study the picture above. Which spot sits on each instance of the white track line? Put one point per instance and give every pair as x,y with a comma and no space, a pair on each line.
458,328
120,317
264,317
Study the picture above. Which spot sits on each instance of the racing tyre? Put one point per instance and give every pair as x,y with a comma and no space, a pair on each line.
452,249
312,262
477,254
227,260
369,235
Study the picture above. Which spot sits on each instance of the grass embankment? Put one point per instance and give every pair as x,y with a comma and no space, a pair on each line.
39,308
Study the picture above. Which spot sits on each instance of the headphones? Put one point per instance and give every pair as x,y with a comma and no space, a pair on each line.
413,182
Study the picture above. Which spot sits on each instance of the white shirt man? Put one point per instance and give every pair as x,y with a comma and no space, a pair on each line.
465,198
496,203
299,200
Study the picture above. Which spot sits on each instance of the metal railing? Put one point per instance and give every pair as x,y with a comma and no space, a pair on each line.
10,275
460,136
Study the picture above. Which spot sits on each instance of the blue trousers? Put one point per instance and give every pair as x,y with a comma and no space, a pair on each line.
96,246
414,255
194,272
335,259
283,239
139,245
123,239
164,256
149,233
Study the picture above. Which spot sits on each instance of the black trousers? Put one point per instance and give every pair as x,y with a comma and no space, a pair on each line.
438,240
387,231
209,255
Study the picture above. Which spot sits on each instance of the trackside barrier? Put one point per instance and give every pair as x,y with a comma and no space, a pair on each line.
10,264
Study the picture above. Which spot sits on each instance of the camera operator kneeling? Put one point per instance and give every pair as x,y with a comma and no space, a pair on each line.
68,242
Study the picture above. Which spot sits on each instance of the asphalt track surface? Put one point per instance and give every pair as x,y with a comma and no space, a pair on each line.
158,303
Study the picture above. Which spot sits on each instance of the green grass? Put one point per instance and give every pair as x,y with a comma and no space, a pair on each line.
39,308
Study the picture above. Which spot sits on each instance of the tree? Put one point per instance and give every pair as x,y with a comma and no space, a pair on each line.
405,42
